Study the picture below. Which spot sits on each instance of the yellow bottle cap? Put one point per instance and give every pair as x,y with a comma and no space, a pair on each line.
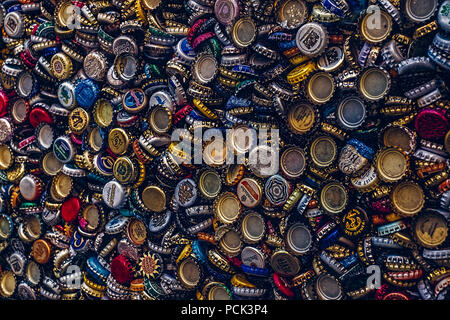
6,157
118,141
430,229
154,198
407,198
103,113
227,207
78,120
61,66
125,170
392,164
301,118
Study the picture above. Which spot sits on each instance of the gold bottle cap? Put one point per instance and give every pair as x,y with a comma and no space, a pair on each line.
301,118
291,13
125,170
61,66
95,139
189,273
376,26
160,119
41,251
150,4
244,32
136,231
234,173
8,284
103,113
374,83
253,227
320,88
284,263
92,215
16,172
209,184
333,197
231,243
249,192
215,153
63,185
227,208
51,165
118,141
392,164
219,292
154,199
6,157
323,151
400,137
293,162
64,14
78,120
33,272
407,198
430,229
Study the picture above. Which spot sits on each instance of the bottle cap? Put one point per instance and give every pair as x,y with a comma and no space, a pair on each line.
118,141
430,229
320,88
244,32
209,184
333,197
378,31
298,239
351,113
63,149
420,11
328,287
253,227
323,151
392,164
277,190
293,162
374,83
291,13
284,263
154,199
312,39
249,192
226,11
114,194
227,208
407,198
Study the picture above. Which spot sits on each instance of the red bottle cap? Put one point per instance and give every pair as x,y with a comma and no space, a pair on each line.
70,209
121,270
4,100
283,286
39,115
431,123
